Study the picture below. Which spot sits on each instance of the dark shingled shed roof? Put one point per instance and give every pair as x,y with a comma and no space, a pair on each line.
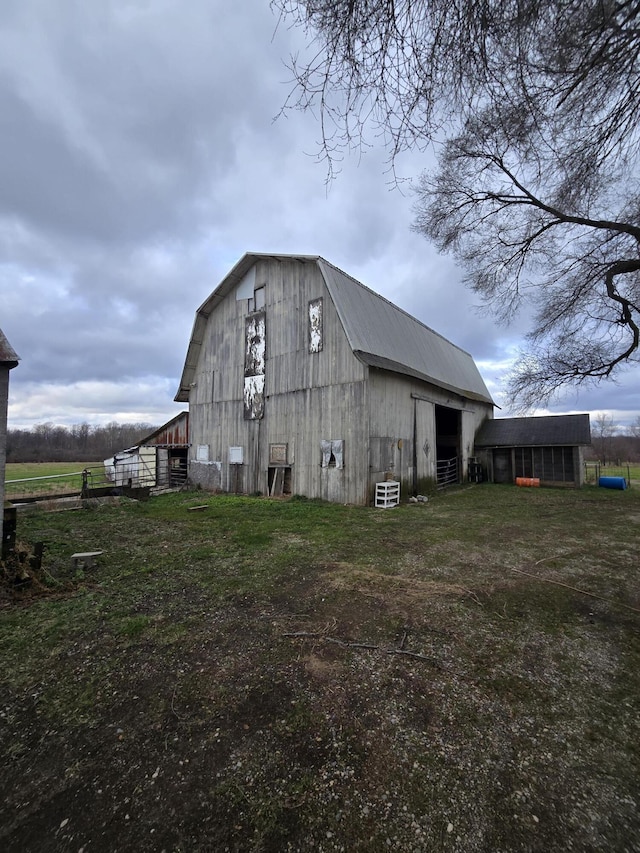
559,430
7,352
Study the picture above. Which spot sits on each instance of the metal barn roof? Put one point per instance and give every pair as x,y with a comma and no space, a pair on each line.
379,333
545,431
383,335
175,433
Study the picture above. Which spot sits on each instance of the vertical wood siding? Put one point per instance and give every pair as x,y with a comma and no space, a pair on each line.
402,411
308,397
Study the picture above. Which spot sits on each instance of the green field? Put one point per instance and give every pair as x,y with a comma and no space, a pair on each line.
53,470
624,470
252,675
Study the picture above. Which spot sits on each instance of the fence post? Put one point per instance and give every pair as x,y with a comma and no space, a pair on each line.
9,524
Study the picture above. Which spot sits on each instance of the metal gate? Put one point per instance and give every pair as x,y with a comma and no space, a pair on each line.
447,472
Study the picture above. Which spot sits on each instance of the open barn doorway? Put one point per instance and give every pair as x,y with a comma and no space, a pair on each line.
448,446
279,481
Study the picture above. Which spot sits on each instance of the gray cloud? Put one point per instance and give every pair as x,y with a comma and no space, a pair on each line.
139,160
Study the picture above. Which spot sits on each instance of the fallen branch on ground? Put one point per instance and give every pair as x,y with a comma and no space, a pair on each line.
576,589
310,635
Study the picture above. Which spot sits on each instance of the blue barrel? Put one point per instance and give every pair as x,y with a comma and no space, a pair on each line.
612,482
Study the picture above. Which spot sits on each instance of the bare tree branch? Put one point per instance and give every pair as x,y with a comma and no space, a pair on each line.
534,107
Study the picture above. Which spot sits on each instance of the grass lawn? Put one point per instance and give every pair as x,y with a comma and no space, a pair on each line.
252,675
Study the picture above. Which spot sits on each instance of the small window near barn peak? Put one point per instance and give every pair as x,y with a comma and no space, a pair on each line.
257,301
315,325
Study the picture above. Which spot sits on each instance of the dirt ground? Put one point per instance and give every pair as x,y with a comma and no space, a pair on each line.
345,708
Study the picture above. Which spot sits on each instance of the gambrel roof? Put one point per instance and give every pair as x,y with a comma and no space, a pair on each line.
545,431
380,334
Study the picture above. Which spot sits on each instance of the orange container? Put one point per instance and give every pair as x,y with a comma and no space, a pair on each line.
527,481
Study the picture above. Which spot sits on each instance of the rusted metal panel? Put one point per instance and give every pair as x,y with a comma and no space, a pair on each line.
175,433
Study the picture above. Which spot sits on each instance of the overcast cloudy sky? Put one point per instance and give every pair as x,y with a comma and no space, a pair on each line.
140,159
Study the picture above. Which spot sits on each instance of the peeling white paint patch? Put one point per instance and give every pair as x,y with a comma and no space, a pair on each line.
315,325
255,345
253,397
254,365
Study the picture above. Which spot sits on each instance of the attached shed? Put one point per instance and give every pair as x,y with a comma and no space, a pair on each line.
550,448
8,360
158,461
301,380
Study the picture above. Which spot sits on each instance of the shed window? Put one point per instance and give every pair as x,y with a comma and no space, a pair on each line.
332,453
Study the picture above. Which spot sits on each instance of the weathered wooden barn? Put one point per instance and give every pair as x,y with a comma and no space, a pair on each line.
301,380
159,460
549,448
8,360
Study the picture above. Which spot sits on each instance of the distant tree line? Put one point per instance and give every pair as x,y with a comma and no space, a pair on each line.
78,443
611,444
85,443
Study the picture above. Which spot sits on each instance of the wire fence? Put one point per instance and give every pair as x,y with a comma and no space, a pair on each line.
99,480
69,484
594,470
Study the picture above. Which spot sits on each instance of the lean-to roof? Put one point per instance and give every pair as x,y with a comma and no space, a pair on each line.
544,431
